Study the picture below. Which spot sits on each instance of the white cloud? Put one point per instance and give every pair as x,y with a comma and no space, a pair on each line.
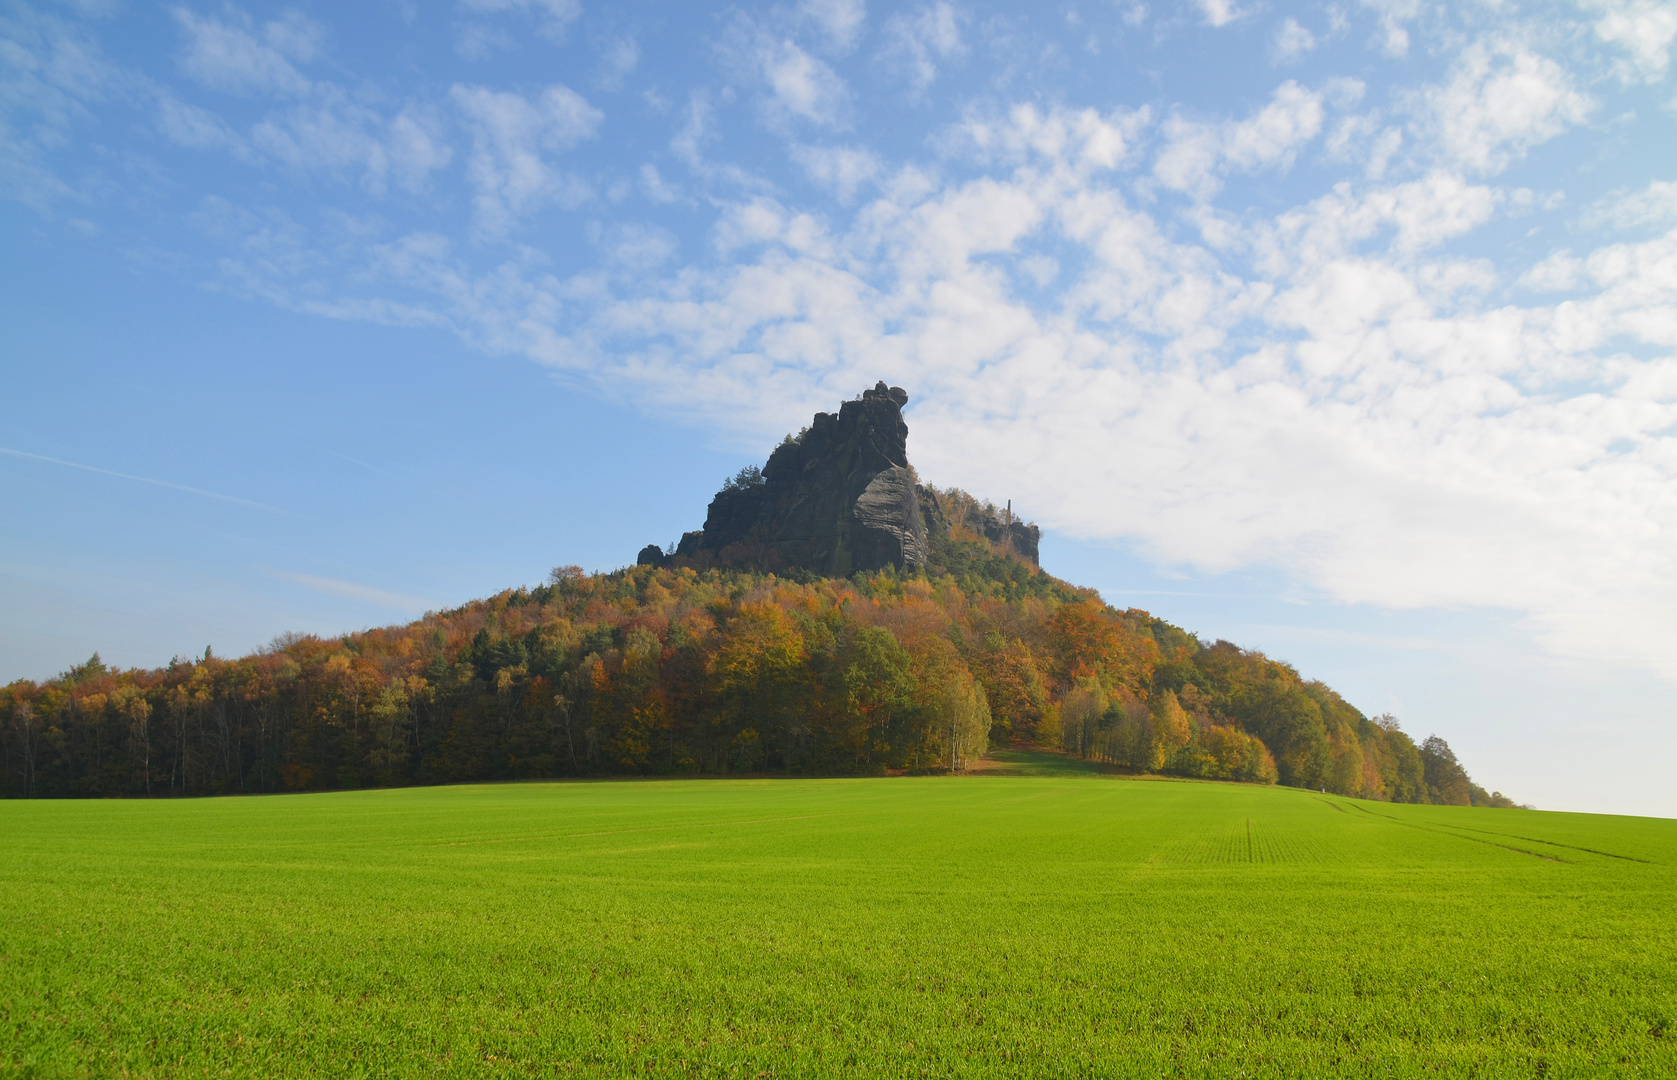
840,21
799,85
189,126
50,70
415,147
1197,154
1501,101
1189,159
1366,140
332,134
1218,12
510,133
1644,29
696,133
1636,300
689,140
232,59
52,79
764,221
555,16
803,85
1273,136
1655,205
1292,41
635,247
1560,272
616,62
841,169
324,131
1083,138
1393,37
916,42
295,35
656,187
338,136
1343,227
478,41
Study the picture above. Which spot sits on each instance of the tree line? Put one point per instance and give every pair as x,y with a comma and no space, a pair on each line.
680,671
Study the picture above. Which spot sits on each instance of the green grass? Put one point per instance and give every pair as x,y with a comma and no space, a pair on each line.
1030,925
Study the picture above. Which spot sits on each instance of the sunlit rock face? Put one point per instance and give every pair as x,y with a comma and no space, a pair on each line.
838,498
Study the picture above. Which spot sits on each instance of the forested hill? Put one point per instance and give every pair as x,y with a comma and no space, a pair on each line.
681,671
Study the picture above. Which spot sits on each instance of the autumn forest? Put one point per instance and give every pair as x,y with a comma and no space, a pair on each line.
683,671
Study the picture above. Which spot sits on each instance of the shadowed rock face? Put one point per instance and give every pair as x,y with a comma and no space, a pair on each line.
838,499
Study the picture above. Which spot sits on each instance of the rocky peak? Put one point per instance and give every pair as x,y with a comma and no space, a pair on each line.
837,499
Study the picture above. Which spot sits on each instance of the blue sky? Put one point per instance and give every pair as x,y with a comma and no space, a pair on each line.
1342,330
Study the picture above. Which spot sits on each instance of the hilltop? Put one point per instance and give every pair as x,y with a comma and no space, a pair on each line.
740,649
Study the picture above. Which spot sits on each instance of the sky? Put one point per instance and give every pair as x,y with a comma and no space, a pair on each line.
1346,331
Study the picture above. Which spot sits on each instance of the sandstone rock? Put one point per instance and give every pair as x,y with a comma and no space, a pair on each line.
886,525
837,499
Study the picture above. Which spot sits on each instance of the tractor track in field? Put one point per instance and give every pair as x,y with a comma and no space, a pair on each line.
1555,843
1470,839
1508,836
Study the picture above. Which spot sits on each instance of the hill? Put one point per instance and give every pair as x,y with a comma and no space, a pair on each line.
1035,926
738,650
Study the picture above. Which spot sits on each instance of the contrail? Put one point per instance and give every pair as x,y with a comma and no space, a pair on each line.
334,587
142,479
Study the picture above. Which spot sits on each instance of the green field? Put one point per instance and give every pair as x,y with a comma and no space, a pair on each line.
1065,923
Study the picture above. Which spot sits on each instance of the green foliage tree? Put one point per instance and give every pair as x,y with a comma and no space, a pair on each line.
1447,782
1279,712
878,686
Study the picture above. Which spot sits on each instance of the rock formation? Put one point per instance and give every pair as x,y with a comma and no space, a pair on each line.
837,499
947,509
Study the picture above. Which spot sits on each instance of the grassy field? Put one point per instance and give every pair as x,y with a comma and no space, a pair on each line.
1065,923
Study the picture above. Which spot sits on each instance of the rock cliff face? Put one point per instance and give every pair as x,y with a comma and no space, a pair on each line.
837,499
